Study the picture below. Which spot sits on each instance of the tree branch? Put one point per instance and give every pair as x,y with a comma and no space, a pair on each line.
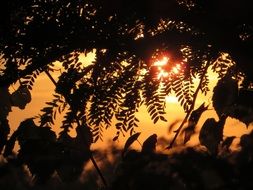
191,108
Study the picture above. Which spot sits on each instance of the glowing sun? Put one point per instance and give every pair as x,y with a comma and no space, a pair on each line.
166,69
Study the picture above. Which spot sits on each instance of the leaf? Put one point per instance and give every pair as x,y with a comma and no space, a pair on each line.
242,110
118,125
163,119
156,119
211,134
129,142
193,120
246,141
21,97
149,145
225,94
153,117
5,102
196,114
84,137
96,137
227,142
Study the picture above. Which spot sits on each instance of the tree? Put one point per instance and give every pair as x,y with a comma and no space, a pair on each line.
129,37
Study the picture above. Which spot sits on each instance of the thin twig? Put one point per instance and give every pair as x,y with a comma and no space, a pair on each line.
79,125
50,77
191,108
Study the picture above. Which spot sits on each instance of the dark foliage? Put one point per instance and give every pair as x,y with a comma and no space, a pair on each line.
110,87
44,154
192,122
127,37
211,134
187,169
190,168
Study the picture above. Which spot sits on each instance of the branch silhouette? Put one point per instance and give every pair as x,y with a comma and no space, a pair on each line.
178,130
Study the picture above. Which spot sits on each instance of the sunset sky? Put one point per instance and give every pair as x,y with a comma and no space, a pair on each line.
43,89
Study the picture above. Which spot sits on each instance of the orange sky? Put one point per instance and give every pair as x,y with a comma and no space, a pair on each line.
44,88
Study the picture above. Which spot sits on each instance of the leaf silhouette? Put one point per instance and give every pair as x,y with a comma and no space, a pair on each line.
5,102
211,134
224,95
246,141
196,114
242,110
129,142
163,119
84,136
149,145
193,120
21,97
227,142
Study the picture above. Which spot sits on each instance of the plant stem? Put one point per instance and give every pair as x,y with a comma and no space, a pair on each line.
79,125
50,77
191,108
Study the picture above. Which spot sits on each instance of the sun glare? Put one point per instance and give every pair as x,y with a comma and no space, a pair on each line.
166,69
161,62
176,69
171,99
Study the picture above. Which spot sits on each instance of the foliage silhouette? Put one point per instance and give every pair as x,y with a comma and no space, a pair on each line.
128,38
211,134
129,142
190,168
192,122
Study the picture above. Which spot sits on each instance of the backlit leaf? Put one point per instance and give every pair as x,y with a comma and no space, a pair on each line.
224,95
149,145
211,134
21,97
129,142
193,120
227,142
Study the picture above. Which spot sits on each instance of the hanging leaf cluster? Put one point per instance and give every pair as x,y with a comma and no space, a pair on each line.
125,36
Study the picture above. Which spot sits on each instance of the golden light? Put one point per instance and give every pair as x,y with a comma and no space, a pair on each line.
162,62
166,69
162,74
171,99
176,69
